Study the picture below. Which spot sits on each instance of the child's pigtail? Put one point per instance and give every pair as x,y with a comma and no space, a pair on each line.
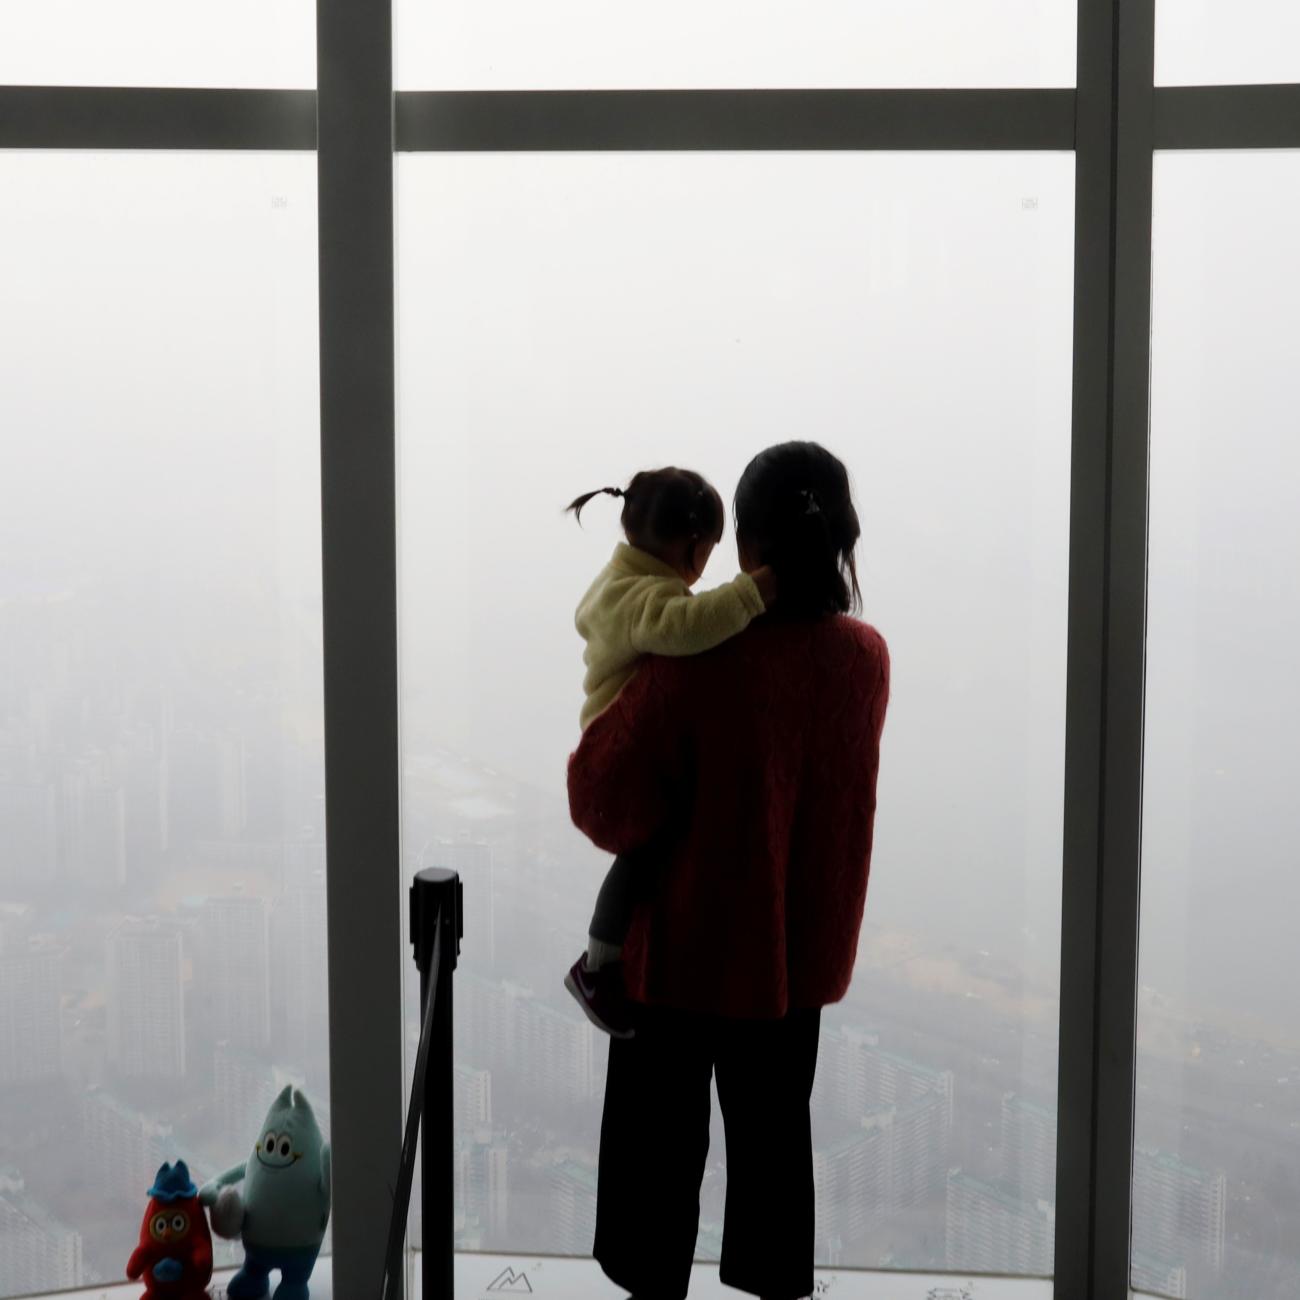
579,504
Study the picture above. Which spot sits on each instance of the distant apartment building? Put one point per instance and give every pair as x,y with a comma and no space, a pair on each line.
146,1002
893,1167
856,1076
17,924
244,1087
92,824
922,1133
234,975
142,769
122,1147
852,1179
299,981
991,1229
892,1163
29,814
232,785
37,1252
1159,1276
1028,1146
473,1097
1179,1211
482,1188
573,1208
506,1029
30,1010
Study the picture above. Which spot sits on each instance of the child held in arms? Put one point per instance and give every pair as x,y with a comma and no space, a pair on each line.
641,604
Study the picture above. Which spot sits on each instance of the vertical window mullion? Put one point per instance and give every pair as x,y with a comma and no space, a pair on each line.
355,168
1106,648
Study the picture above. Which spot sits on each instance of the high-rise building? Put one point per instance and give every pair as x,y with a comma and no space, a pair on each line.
504,1028
123,1148
192,782
37,1252
234,977
143,772
992,1230
146,1005
920,1149
302,862
573,1207
1159,1276
28,812
92,825
30,1010
1029,1148
232,785
17,924
244,1086
298,966
899,1113
1179,1211
300,1005
893,1168
557,1052
855,1076
482,1187
473,1097
852,1179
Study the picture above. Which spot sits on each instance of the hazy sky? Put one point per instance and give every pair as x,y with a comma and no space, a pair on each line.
1222,820
160,333
566,321
502,44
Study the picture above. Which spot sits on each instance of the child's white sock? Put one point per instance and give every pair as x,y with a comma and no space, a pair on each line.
600,953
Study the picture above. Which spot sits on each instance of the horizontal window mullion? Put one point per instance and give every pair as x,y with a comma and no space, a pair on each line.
1227,117
110,117
672,120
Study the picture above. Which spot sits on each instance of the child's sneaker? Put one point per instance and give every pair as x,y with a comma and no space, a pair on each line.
601,996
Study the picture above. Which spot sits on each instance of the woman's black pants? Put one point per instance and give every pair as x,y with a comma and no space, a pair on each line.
655,1139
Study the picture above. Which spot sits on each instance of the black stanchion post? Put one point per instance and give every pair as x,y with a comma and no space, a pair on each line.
436,903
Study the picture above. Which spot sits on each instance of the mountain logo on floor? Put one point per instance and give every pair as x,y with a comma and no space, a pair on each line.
511,1283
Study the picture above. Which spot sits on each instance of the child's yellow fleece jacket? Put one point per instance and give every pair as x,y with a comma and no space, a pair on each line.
639,605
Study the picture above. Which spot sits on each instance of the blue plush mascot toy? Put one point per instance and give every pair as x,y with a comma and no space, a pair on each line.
285,1206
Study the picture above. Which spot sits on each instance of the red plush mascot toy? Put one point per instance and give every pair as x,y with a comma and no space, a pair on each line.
175,1251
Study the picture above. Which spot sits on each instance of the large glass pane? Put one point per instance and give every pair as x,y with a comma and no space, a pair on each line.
1217,1183
565,320
1226,42
586,44
158,43
162,936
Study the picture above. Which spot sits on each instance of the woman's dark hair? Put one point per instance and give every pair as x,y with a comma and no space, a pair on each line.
665,508
794,512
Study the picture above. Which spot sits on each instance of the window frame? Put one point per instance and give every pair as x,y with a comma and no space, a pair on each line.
1113,121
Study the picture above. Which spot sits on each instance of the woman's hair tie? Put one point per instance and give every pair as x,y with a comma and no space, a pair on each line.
811,505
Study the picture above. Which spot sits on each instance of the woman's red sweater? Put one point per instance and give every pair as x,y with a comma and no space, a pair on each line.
759,759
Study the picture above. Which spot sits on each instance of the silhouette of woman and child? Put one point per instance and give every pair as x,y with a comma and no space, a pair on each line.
728,759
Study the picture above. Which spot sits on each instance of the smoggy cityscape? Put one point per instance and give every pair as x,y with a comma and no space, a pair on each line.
163,974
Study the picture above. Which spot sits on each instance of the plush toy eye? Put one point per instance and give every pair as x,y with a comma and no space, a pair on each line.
285,1146
269,1144
159,1225
179,1223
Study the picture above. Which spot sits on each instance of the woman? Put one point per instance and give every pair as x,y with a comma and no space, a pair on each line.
759,759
